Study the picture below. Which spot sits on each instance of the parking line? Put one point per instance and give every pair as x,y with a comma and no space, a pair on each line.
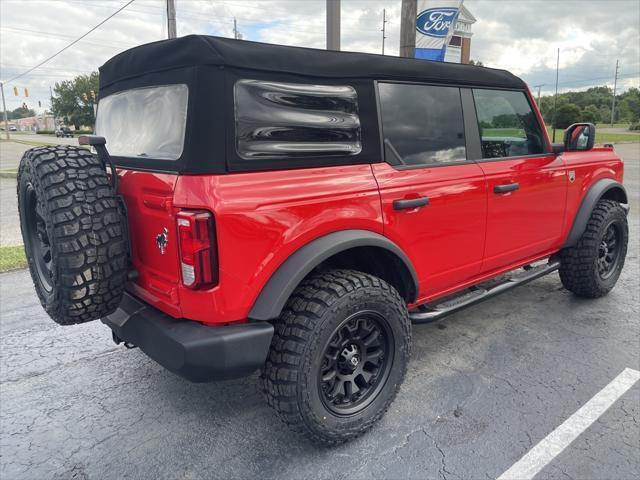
554,443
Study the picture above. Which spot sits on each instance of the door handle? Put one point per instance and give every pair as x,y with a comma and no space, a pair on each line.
509,187
410,203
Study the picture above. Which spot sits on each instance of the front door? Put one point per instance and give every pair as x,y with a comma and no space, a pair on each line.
527,185
434,200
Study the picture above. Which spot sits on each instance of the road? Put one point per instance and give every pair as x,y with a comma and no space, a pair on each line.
10,155
483,387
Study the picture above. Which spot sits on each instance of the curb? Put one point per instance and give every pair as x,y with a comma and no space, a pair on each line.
8,174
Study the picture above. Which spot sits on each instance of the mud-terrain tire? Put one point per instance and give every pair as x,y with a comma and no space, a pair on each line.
74,233
330,320
591,268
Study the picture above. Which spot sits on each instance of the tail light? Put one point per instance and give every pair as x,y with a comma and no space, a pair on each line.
198,252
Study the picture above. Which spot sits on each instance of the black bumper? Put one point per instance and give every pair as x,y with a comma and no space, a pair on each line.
194,351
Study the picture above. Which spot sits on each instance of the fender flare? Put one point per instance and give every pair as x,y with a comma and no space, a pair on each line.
292,271
589,201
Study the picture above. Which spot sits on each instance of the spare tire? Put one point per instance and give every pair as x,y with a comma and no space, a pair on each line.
74,233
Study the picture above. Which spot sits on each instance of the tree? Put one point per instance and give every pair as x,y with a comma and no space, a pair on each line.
590,114
20,112
477,63
73,102
567,114
604,114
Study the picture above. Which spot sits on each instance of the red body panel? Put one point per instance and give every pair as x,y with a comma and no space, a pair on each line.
529,220
589,167
262,218
444,239
466,234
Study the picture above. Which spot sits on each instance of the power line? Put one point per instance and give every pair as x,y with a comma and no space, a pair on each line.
22,31
72,43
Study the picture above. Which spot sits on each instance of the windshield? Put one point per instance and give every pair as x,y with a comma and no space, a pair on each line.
144,122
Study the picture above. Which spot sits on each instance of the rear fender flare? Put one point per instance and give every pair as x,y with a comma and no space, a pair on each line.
597,191
288,276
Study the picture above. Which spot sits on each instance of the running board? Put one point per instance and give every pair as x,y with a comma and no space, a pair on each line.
428,313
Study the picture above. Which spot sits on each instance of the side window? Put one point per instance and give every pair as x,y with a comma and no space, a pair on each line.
421,124
508,126
295,120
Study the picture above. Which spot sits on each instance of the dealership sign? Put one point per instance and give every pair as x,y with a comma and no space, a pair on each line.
435,23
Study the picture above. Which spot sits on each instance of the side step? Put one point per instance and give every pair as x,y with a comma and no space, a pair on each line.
430,313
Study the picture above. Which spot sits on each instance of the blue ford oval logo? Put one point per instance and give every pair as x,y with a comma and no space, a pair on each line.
436,22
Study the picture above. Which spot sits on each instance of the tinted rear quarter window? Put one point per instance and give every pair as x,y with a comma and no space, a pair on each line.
421,124
276,120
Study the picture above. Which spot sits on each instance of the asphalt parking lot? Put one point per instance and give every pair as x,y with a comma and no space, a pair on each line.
484,386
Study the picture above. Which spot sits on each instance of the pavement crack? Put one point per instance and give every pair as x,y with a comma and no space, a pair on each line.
443,472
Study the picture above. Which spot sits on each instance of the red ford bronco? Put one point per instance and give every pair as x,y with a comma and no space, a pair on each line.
254,206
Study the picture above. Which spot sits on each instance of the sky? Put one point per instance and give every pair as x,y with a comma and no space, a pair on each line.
518,35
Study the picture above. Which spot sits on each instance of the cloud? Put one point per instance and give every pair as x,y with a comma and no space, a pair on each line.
519,35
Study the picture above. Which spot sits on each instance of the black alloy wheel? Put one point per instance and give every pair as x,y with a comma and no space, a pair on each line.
609,250
593,265
338,356
37,240
356,363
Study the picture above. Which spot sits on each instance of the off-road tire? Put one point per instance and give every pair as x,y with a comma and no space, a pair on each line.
79,216
291,373
578,265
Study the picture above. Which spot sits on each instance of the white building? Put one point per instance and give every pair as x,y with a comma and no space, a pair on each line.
459,48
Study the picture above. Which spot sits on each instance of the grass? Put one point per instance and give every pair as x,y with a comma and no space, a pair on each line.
12,258
615,125
601,137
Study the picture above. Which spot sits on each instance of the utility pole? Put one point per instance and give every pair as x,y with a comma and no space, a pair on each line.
613,100
235,28
4,109
555,99
384,25
171,18
408,28
538,87
333,24
51,104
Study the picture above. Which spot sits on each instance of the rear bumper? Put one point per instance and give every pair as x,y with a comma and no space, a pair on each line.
190,349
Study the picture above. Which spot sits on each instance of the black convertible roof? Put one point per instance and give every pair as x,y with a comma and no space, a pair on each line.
202,50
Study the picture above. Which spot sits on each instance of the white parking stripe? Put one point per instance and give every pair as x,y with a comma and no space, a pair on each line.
554,443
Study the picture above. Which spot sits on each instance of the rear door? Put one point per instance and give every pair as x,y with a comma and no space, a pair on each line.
433,197
526,183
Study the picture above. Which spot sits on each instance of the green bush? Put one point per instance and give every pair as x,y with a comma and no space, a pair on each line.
46,132
634,126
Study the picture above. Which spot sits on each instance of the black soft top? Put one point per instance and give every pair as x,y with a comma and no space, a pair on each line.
211,67
203,50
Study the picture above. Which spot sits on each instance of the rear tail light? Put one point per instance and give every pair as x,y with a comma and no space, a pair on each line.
198,252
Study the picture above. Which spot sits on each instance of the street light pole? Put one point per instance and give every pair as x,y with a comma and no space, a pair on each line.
4,109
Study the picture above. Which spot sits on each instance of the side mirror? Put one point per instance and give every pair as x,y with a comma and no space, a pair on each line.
579,137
